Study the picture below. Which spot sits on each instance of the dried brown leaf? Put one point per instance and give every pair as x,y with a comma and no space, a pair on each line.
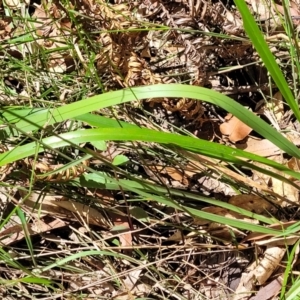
294,11
271,260
270,290
235,129
260,147
15,233
253,203
132,278
176,236
245,287
124,232
89,214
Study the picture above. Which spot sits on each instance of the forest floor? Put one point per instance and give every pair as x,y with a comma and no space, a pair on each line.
87,242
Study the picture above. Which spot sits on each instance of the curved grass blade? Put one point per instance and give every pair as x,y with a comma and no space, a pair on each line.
48,117
210,149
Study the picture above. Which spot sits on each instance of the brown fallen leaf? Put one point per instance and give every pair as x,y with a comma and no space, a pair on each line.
260,147
284,189
265,11
270,290
122,228
259,273
16,4
131,279
293,9
264,147
15,233
175,173
270,262
176,236
89,214
234,128
253,203
294,164
277,106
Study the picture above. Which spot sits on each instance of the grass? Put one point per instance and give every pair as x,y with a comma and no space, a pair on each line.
49,118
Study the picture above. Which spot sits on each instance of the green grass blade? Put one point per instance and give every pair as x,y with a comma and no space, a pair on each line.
203,147
289,269
36,121
294,292
102,181
84,254
266,55
205,215
160,190
22,217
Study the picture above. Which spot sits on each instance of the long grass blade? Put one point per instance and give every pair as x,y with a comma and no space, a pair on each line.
266,55
48,117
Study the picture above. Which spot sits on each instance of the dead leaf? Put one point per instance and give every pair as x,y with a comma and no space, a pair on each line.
235,129
270,262
294,11
253,203
89,214
15,4
265,11
43,22
291,193
132,278
274,109
276,106
294,164
245,287
176,236
287,193
15,233
262,147
259,273
281,241
122,228
270,290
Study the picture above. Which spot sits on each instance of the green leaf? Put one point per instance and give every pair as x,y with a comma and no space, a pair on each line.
100,145
120,160
139,213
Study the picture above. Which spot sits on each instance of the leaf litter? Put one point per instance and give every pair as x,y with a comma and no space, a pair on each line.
148,249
